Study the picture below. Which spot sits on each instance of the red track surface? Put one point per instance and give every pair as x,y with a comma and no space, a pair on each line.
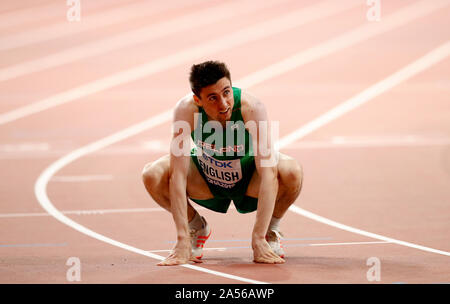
383,167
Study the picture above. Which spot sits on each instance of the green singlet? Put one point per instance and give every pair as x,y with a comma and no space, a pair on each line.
225,160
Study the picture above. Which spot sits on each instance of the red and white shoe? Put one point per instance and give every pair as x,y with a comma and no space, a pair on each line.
273,237
198,239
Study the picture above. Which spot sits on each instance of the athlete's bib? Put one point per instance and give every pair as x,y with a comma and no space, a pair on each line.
223,173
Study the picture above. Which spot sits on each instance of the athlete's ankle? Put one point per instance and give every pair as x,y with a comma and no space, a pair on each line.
196,222
274,224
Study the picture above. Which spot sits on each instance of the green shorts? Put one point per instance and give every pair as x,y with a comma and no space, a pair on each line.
243,204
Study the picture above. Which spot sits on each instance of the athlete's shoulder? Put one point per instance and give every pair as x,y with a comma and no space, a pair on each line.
186,106
185,110
186,103
250,104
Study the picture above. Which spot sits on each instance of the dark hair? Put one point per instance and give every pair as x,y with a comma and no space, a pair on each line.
207,73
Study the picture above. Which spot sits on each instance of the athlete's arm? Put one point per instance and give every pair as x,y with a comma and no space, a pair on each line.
265,160
178,170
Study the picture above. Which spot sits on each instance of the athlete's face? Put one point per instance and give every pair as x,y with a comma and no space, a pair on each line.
217,100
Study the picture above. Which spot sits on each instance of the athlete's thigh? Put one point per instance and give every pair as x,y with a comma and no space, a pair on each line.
283,165
196,184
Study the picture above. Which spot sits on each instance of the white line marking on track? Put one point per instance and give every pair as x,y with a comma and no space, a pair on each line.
83,212
369,142
146,34
87,212
329,222
339,244
33,245
276,25
252,33
91,22
379,88
375,90
46,175
24,147
348,39
40,191
285,245
29,15
81,178
338,142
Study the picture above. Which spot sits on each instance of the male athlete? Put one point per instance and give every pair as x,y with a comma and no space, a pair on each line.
227,125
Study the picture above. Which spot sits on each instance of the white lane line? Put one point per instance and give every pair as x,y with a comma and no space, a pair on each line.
337,142
285,245
258,31
339,244
24,147
249,34
146,34
329,222
88,212
345,40
404,74
31,245
43,12
370,142
91,22
11,19
377,89
43,180
59,216
82,178
83,212
40,191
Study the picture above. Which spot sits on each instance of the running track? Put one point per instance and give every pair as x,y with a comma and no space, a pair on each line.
364,107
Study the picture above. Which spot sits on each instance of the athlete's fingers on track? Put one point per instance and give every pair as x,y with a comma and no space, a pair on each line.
173,259
172,262
269,259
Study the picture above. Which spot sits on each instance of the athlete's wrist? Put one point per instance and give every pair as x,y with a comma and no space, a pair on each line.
256,235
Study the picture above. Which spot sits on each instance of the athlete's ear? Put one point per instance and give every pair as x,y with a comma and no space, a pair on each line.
197,101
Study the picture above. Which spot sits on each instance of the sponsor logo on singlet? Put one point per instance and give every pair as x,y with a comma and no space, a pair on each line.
222,150
224,173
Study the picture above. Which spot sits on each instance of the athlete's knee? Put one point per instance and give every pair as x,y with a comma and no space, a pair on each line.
292,175
152,175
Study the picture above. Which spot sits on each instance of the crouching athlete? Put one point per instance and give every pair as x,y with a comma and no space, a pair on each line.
217,171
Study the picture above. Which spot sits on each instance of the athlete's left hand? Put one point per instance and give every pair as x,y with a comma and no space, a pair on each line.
262,253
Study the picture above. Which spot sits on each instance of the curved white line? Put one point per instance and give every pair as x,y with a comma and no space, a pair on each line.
44,178
377,89
329,222
40,190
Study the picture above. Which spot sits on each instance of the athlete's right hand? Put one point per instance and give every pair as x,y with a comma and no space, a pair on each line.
181,254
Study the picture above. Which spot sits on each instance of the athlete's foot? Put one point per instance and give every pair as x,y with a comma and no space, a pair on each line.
273,237
198,238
